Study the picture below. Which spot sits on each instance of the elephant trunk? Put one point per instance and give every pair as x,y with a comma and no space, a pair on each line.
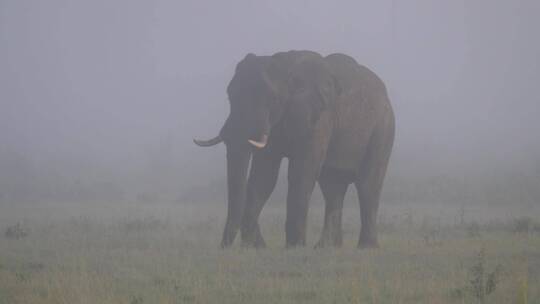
237,133
238,157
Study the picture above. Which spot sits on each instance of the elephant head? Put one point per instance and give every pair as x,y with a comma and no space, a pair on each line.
290,89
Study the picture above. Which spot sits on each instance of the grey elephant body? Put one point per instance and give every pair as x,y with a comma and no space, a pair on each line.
332,119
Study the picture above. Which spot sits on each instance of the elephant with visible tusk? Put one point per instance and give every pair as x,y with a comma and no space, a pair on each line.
332,119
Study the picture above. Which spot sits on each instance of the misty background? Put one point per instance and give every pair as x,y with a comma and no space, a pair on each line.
99,100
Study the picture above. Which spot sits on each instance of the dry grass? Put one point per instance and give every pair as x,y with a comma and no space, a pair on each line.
140,254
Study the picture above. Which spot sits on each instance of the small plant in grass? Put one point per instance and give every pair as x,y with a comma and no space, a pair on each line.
432,231
136,300
432,238
409,221
522,225
536,228
143,224
523,291
496,225
385,225
16,232
473,229
482,281
22,276
461,215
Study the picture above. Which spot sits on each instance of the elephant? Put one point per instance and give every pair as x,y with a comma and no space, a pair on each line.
331,118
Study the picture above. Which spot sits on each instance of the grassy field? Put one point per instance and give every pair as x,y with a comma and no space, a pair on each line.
165,253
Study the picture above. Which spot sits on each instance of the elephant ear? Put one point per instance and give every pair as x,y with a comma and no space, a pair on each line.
328,92
272,84
304,112
249,59
274,76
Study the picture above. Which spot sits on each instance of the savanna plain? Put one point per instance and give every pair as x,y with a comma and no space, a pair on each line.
138,253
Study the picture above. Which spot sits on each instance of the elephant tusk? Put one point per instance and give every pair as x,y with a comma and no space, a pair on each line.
259,144
208,143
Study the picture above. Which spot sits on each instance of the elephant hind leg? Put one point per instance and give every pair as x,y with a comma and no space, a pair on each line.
370,181
333,189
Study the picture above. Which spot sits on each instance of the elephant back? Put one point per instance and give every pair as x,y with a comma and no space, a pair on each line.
353,76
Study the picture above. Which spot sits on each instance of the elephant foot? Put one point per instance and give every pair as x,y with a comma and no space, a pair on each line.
229,234
228,240
321,244
252,238
368,243
225,244
289,244
257,244
294,246
326,242
294,238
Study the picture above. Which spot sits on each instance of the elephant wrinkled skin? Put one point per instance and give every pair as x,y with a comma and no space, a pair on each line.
332,119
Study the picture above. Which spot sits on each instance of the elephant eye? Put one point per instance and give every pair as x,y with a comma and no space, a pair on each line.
272,104
326,89
298,85
274,110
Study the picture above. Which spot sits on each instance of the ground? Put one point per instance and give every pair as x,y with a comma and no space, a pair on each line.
168,253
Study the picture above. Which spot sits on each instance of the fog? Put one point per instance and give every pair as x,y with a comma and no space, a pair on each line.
99,100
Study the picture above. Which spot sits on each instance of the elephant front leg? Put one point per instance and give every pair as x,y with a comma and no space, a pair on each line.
303,173
262,180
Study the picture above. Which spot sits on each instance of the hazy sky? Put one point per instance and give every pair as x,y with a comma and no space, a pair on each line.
108,82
